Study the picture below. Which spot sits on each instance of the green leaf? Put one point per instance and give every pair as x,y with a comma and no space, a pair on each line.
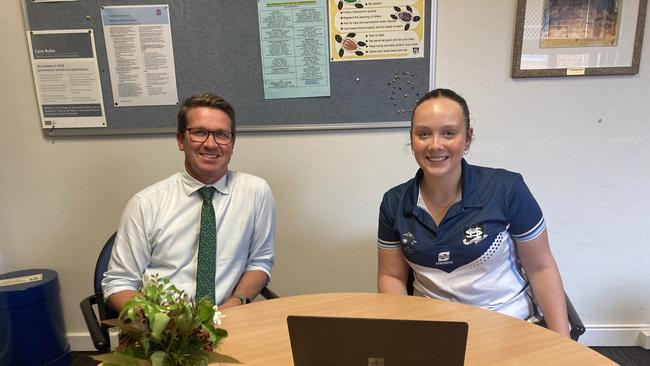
150,310
159,358
158,322
205,310
133,327
220,358
216,334
221,333
130,310
198,359
110,359
149,291
146,345
184,321
134,350
131,307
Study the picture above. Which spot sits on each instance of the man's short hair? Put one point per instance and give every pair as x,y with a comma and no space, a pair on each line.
205,100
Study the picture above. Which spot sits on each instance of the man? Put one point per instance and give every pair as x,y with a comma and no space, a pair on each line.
167,228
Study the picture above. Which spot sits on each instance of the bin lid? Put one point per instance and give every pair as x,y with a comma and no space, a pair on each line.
27,287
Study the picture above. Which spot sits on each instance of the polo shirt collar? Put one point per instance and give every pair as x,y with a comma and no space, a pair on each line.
191,185
471,196
471,186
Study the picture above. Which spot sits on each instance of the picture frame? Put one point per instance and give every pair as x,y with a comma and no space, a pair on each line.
558,38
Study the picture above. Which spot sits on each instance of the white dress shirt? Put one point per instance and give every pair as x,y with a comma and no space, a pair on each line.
159,233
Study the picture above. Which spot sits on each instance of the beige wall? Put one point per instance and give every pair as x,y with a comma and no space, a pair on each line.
582,144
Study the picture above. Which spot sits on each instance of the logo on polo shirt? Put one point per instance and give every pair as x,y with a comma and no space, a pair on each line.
474,233
444,258
408,240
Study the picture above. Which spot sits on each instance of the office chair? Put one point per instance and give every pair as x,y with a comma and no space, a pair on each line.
98,331
577,328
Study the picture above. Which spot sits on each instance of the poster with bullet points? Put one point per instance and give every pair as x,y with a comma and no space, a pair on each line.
376,30
293,40
66,76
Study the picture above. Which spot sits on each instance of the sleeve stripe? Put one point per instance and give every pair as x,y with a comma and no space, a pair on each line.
389,244
389,247
532,233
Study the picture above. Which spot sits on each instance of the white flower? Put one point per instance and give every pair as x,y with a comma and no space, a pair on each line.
216,319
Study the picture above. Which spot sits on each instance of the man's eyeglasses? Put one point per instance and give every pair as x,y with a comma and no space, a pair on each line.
201,135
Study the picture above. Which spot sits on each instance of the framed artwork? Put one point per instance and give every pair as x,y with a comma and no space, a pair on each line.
578,37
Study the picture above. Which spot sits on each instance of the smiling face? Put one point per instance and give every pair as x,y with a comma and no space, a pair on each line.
439,137
207,162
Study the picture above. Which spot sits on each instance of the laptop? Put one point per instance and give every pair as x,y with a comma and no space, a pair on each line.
331,341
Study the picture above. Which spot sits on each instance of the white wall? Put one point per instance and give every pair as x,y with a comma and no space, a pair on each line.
582,144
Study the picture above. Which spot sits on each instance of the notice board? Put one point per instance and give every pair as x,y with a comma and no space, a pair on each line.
217,49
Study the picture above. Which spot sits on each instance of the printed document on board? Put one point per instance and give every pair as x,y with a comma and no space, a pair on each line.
293,38
66,75
140,55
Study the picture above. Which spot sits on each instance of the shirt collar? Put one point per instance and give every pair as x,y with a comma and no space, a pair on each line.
471,186
471,196
191,185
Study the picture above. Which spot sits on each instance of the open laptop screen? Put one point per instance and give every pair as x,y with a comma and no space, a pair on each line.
320,341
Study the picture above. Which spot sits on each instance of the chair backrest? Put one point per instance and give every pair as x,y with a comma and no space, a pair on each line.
105,312
409,282
102,262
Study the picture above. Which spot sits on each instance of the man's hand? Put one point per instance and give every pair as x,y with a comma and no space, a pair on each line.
231,302
250,284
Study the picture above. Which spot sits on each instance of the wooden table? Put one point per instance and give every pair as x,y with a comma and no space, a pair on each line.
258,332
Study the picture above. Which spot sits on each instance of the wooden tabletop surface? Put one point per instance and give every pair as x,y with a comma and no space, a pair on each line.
258,333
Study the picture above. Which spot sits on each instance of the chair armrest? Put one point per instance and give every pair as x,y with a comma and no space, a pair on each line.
268,294
577,327
98,334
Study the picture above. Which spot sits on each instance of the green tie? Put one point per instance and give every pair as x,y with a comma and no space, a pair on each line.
206,266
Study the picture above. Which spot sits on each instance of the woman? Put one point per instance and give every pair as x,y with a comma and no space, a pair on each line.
465,231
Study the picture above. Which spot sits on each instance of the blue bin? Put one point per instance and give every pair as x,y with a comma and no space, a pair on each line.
32,332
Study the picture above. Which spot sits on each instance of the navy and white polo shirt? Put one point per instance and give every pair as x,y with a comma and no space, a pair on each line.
470,257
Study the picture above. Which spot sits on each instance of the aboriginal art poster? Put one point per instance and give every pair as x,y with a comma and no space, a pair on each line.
376,30
580,23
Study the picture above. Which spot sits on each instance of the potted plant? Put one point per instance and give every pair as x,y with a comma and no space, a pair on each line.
161,327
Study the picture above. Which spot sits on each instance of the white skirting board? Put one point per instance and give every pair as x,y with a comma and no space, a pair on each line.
613,335
82,342
596,335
